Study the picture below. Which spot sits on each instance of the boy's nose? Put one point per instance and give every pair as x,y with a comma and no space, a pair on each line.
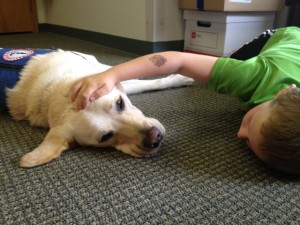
242,133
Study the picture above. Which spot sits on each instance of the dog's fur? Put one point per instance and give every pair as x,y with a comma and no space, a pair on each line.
42,96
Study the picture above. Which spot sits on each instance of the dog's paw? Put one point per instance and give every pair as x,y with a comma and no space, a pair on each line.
34,158
28,161
178,80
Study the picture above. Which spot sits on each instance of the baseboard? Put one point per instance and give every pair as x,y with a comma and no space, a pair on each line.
123,44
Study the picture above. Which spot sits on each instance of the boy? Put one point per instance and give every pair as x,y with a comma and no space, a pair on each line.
265,85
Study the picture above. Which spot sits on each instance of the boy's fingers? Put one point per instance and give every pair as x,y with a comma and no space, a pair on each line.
75,90
103,90
85,95
81,105
82,99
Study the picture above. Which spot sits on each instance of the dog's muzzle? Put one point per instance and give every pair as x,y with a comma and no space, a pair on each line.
153,138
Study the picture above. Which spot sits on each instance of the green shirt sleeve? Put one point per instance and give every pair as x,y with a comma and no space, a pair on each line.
258,79
241,79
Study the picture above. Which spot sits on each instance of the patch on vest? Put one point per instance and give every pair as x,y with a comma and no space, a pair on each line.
17,54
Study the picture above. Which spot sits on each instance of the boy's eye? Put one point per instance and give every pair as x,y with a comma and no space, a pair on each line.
120,104
248,143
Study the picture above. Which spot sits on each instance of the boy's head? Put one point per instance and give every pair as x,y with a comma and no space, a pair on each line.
272,131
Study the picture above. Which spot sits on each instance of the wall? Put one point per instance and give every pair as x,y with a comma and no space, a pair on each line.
137,26
281,17
146,20
41,11
168,23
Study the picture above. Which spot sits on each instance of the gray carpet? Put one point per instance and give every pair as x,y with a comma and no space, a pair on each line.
202,175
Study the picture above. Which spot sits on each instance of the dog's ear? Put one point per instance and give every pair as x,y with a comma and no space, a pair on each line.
120,87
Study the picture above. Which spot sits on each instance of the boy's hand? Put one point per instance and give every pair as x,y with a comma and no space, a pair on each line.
90,88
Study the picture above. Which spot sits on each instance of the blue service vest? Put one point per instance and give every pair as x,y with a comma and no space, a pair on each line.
12,62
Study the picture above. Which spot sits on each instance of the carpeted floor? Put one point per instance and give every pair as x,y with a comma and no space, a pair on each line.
202,175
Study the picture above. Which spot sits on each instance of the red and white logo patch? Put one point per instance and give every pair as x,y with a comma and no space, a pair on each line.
17,54
193,34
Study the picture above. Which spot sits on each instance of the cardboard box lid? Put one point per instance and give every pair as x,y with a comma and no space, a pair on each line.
228,17
232,5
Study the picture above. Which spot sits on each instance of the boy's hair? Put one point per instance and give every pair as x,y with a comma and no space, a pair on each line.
280,142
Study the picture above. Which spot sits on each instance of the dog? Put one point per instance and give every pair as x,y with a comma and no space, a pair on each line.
42,96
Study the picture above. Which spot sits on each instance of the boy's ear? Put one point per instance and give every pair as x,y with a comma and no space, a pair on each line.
283,91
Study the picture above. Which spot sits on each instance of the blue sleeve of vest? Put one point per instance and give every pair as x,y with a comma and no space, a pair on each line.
8,79
11,63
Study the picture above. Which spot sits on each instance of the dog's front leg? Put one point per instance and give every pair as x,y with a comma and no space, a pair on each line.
56,141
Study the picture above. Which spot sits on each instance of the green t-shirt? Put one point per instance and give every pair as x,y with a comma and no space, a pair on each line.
258,79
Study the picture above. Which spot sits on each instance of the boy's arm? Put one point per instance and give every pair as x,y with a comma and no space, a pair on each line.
192,65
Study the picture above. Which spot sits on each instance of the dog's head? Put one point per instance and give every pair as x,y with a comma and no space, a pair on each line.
113,121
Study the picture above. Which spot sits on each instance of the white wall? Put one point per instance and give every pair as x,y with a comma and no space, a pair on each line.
41,11
146,20
167,19
281,17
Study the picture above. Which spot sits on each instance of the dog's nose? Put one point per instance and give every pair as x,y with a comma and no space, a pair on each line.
153,137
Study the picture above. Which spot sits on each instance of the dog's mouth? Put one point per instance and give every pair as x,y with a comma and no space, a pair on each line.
149,145
139,151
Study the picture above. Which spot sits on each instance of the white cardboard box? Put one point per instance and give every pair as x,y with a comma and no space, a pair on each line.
221,33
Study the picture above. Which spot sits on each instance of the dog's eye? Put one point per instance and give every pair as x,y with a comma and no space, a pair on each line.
106,137
120,104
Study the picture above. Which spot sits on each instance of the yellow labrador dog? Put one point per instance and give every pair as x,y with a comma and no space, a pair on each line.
42,97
